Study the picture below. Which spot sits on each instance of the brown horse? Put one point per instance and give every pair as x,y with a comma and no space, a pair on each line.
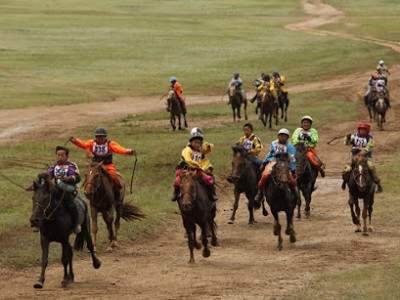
267,107
99,189
280,198
380,108
176,109
362,186
196,208
244,177
283,101
369,101
236,100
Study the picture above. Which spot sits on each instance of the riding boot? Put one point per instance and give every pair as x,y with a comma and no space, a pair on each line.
387,102
295,191
322,172
175,195
376,179
259,196
345,177
366,100
254,98
229,179
212,192
73,209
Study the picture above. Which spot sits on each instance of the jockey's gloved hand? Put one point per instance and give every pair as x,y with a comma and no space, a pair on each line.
308,138
130,151
348,137
72,139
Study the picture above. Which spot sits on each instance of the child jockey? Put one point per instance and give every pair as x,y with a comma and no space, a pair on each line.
279,82
252,144
382,67
380,88
237,82
361,142
281,145
66,176
267,86
193,158
309,136
178,91
103,150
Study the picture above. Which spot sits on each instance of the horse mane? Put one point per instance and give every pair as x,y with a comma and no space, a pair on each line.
241,149
282,156
359,159
103,169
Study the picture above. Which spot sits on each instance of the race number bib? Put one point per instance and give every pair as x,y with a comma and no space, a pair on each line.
61,170
303,135
280,148
247,144
196,156
100,150
360,142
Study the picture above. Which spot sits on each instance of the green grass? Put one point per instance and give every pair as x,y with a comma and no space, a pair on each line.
56,53
158,151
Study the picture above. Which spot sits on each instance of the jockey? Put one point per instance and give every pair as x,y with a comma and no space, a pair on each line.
380,88
381,75
309,136
193,158
257,84
237,82
361,142
178,91
269,85
382,67
252,144
279,82
103,150
371,85
281,145
66,176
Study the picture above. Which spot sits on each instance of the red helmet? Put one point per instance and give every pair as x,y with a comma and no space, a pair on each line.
363,125
375,76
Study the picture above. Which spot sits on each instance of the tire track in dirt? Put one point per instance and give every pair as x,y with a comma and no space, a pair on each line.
247,264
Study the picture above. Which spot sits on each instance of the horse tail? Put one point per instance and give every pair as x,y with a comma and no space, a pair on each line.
131,212
79,241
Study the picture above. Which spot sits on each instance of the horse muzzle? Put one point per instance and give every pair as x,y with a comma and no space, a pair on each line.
34,222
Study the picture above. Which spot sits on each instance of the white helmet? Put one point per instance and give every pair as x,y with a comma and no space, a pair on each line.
381,82
196,132
381,62
283,131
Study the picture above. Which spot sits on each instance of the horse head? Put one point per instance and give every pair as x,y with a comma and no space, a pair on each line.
93,178
280,175
301,158
41,199
360,171
188,189
232,90
239,162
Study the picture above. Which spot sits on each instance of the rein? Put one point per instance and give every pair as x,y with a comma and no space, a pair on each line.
10,180
49,204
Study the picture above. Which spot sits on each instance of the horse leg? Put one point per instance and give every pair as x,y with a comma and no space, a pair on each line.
264,210
184,118
234,114
356,220
289,227
299,205
44,242
250,207
214,240
238,111
172,121
206,250
89,242
117,223
67,262
370,209
270,120
277,229
307,198
196,244
190,235
179,122
286,108
108,217
364,215
93,213
245,110
235,207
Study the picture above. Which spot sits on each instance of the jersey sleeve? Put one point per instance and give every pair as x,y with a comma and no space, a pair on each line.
187,157
257,146
84,144
207,148
114,147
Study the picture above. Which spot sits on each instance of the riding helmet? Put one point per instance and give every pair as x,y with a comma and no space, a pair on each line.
381,62
275,73
196,132
306,118
364,125
283,131
173,79
266,77
100,131
236,75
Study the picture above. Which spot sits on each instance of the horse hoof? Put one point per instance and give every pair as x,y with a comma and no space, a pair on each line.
265,213
215,243
109,249
298,216
197,246
357,230
97,264
370,229
292,239
114,244
280,247
365,234
206,252
38,285
191,261
231,222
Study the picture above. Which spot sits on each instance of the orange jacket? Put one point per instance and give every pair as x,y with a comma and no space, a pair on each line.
113,147
178,89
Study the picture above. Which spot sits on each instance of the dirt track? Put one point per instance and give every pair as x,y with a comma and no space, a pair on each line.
247,264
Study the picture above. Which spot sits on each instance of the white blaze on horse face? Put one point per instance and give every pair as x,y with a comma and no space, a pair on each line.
90,173
360,168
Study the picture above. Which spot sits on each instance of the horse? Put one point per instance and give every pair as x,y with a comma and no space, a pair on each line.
280,198
99,190
369,102
283,101
306,177
236,101
267,108
361,185
176,109
55,223
380,108
244,176
196,208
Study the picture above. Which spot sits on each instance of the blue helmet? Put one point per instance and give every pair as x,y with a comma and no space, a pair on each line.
173,78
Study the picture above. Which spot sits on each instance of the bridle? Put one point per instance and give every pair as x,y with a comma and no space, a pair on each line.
95,185
241,171
49,205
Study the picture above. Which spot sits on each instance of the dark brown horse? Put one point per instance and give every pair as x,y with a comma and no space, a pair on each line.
98,187
176,109
236,101
280,198
283,101
306,177
196,208
380,109
244,176
361,186
55,222
369,101
267,107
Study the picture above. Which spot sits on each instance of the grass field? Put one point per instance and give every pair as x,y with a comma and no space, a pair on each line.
58,53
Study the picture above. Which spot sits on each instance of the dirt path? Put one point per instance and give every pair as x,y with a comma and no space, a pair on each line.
247,264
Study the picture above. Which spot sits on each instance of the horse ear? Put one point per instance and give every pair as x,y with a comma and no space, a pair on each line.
35,186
